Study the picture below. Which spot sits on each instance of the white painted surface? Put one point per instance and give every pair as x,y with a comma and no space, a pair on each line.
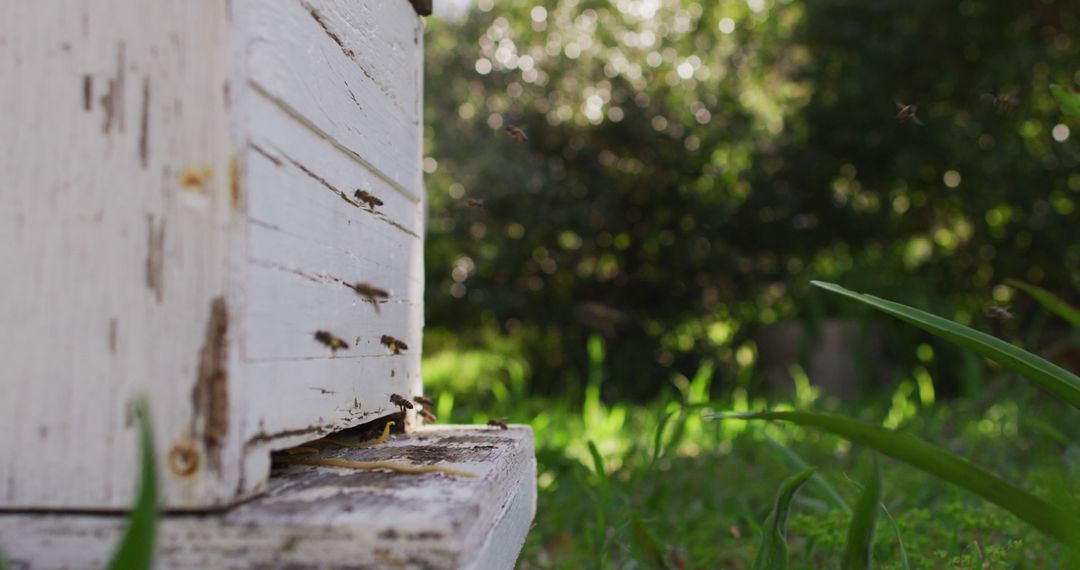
317,517
203,297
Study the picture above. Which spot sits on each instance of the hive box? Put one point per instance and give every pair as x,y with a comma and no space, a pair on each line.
179,218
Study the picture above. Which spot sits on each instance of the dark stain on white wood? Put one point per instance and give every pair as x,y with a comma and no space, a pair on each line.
326,28
113,100
155,257
144,124
210,396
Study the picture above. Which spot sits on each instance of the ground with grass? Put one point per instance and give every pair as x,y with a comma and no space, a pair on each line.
701,488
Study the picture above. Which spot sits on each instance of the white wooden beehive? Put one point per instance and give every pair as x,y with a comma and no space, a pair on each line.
178,219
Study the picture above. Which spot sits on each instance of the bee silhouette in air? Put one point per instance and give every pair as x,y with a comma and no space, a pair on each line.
474,202
331,341
393,344
371,293
998,313
1003,102
907,112
518,134
424,401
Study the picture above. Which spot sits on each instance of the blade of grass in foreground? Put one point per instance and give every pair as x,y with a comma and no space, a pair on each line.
1053,378
136,550
859,552
793,459
1049,301
1052,520
647,547
773,551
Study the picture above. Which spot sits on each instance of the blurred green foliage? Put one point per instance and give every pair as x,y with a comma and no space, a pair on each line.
702,489
690,166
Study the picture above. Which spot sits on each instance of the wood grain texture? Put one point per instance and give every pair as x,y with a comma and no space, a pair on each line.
335,518
348,70
179,220
112,263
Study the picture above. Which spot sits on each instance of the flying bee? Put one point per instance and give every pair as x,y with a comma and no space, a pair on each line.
424,401
498,422
600,317
518,134
1003,102
400,401
393,344
366,198
998,313
428,416
907,112
371,293
474,202
330,340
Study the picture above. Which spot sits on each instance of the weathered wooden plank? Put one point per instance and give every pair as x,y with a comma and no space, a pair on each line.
111,262
333,518
298,57
139,220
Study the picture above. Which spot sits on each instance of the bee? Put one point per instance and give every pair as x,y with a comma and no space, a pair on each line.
600,317
498,422
371,293
330,340
393,344
998,313
1003,102
474,202
367,199
428,416
907,112
400,401
518,134
424,401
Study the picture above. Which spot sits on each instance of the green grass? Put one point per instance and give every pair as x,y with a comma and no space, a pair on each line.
627,485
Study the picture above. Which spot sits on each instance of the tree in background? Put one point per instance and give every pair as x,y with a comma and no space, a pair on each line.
689,167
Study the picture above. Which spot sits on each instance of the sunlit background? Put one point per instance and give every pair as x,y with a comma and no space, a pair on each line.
689,167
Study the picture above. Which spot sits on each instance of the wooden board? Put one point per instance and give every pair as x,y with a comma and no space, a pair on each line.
112,263
320,517
179,220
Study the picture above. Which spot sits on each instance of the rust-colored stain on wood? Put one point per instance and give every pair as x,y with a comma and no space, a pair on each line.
210,396
236,189
196,177
183,460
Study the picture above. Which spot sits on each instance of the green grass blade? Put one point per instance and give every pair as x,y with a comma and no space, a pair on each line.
598,462
1053,378
828,491
859,552
1055,522
1049,301
647,547
904,565
773,551
136,549
658,437
1069,101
